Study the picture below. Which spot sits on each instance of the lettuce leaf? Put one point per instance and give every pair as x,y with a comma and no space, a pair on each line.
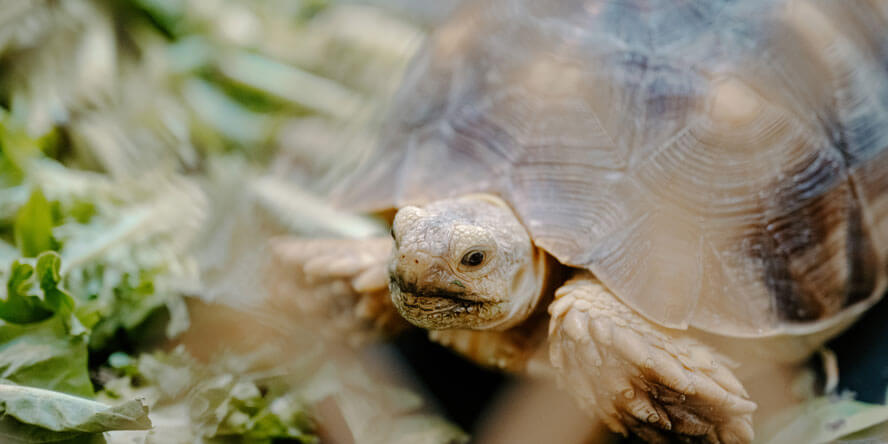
13,431
33,293
45,355
42,343
33,226
35,415
60,412
120,301
25,301
828,419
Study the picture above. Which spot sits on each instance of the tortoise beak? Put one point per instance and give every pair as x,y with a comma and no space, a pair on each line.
422,274
419,271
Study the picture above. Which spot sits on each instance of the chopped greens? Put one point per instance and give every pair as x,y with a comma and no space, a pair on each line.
111,116
219,403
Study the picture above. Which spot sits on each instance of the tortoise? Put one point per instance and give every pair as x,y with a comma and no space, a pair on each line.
659,194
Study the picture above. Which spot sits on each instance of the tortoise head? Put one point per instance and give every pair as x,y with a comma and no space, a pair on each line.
464,263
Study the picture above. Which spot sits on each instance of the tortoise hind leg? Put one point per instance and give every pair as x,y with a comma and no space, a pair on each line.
658,383
342,284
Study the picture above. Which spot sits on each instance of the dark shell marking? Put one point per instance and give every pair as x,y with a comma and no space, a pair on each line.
817,257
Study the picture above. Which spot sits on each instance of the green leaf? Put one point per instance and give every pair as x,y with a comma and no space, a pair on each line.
33,226
227,406
24,303
219,405
48,266
41,343
18,149
132,302
826,419
60,412
13,431
875,434
82,211
283,417
167,15
45,355
33,294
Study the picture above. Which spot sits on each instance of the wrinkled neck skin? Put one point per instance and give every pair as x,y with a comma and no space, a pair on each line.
464,263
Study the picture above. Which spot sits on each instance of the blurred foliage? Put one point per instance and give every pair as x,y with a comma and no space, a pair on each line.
133,135
220,402
141,83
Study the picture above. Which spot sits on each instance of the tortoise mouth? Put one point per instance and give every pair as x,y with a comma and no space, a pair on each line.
438,302
437,308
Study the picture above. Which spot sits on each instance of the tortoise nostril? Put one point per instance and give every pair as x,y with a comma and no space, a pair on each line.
419,270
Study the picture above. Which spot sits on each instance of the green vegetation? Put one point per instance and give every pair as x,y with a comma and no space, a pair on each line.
133,135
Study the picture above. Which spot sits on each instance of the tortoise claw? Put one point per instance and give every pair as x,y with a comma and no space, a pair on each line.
642,378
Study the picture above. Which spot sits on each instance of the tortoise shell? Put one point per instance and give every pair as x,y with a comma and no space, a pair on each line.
717,164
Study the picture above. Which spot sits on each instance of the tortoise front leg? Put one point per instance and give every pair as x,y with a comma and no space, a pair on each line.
658,383
519,349
342,283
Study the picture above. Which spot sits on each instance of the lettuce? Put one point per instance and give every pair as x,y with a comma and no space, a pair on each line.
25,299
33,293
112,120
32,415
60,412
217,404
830,419
227,406
33,226
44,373
45,355
42,343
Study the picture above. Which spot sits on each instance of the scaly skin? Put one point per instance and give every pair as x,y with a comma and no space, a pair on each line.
434,286
658,383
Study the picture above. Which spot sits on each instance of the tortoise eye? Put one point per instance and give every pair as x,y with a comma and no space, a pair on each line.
473,258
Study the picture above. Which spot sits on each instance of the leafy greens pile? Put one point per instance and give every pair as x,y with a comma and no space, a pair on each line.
55,318
113,117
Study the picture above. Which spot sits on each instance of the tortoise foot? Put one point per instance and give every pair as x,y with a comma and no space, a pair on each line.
641,378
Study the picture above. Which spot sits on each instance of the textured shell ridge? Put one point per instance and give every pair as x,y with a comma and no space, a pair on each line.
721,165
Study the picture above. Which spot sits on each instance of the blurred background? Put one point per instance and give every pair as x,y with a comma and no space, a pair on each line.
150,151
